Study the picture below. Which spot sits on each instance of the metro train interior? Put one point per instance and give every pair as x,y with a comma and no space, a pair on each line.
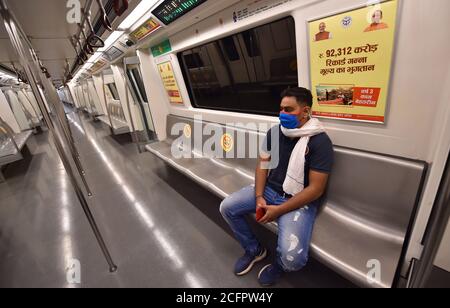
142,144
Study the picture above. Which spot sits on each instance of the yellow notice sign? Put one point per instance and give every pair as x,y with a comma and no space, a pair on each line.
170,83
351,55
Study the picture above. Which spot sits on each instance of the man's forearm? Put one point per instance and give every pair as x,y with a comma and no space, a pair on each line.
260,181
301,200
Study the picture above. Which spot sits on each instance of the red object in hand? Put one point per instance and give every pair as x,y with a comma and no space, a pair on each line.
260,213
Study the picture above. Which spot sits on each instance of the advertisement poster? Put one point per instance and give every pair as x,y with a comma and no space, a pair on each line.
170,83
148,27
350,58
97,66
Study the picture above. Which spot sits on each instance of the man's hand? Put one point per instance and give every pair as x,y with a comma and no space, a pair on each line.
272,213
260,212
260,201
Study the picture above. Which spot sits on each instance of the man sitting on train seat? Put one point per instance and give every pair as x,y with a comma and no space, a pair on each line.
290,194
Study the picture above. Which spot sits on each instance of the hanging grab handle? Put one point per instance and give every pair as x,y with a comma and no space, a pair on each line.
87,48
45,72
80,60
93,40
104,16
83,53
120,9
74,44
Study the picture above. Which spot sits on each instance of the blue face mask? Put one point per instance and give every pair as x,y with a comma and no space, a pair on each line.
289,121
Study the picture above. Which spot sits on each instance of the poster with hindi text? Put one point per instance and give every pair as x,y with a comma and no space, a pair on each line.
350,60
170,82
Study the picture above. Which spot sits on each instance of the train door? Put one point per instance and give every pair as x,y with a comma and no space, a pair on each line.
116,113
136,86
77,97
68,96
94,108
72,89
62,95
81,98
94,97
87,98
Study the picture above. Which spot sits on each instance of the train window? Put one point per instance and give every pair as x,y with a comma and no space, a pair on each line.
113,89
243,73
193,60
251,43
230,48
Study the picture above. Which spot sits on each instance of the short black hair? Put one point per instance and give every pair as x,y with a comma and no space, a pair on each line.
381,12
302,95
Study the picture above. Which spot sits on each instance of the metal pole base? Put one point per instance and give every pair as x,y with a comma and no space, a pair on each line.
113,269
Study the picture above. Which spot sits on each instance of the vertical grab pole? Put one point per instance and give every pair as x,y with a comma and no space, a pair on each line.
64,124
13,32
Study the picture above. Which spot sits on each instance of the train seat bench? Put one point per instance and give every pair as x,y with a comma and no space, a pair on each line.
364,221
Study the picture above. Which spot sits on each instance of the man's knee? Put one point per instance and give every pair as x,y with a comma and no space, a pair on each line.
239,203
293,261
293,253
225,207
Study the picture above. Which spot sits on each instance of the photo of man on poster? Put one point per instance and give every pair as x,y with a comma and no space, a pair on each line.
323,34
377,23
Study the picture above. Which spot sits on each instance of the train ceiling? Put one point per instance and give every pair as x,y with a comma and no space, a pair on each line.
45,23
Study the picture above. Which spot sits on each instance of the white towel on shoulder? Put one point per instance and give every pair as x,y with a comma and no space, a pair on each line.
294,182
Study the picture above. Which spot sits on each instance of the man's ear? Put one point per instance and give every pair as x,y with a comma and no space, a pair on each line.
307,112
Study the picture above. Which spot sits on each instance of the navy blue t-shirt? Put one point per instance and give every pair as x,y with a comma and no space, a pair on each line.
319,157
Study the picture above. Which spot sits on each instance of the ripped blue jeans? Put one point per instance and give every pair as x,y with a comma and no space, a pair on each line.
294,229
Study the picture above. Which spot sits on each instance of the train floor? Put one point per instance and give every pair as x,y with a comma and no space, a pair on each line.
162,229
